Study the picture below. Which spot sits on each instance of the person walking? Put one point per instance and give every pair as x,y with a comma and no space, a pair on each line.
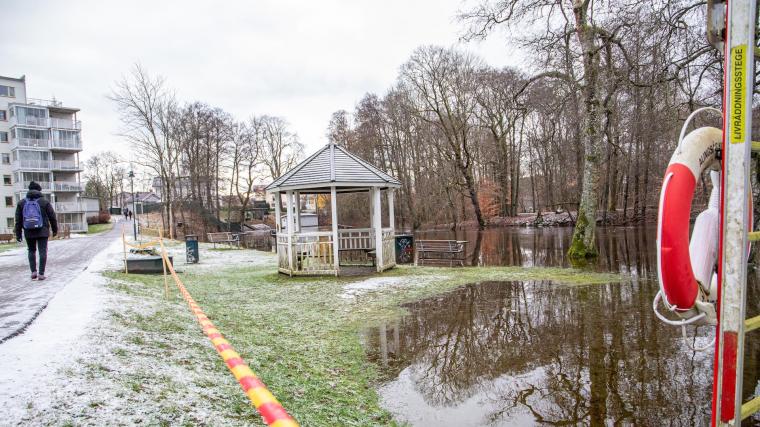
126,214
36,217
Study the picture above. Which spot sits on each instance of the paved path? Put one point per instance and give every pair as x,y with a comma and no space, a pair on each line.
22,299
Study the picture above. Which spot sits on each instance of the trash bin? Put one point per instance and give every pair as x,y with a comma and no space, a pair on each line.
191,249
404,248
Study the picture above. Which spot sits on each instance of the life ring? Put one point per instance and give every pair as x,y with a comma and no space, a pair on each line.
686,269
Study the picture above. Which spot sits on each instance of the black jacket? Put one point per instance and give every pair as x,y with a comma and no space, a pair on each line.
48,217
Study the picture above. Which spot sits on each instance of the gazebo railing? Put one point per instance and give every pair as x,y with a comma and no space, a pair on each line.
354,244
311,253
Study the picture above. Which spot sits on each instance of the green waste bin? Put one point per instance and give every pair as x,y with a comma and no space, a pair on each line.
404,248
191,249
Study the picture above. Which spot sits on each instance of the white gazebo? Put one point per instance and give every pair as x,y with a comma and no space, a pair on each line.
333,170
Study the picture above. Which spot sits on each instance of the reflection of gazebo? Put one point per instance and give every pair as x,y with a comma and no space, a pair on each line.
333,170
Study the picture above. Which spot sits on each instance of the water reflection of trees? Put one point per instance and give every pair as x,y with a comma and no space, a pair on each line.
586,354
628,250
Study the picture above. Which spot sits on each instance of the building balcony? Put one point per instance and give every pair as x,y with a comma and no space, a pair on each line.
30,143
24,186
65,166
65,124
63,186
62,145
76,227
30,121
34,165
62,207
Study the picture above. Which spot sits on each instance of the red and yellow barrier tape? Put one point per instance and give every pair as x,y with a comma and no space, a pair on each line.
270,409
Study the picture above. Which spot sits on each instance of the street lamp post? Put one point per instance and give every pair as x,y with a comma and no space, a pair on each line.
134,204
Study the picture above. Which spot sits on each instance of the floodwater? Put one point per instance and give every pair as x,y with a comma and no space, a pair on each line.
535,353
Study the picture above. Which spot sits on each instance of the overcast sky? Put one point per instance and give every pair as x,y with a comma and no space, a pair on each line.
300,60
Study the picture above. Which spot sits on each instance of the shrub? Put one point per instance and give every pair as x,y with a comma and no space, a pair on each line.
94,219
104,217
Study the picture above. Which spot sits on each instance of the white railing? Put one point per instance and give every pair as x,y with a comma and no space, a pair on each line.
66,144
65,124
29,143
67,186
23,186
45,102
73,226
30,121
31,164
310,253
65,165
68,207
356,238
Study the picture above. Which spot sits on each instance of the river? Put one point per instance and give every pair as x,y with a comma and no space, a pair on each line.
535,352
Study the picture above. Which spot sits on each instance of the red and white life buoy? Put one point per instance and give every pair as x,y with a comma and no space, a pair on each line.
686,268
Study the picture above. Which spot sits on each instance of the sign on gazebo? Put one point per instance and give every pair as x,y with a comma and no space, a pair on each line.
333,170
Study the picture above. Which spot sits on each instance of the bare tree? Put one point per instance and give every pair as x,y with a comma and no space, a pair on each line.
147,111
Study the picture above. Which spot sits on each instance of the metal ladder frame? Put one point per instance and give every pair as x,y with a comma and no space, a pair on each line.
739,48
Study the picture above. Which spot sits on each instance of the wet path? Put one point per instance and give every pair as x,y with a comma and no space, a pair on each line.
22,299
536,353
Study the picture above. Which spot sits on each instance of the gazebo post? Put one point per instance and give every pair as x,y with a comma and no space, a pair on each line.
336,244
277,213
289,197
391,214
377,226
297,197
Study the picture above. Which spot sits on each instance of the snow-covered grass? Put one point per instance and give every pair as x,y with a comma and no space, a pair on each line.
144,359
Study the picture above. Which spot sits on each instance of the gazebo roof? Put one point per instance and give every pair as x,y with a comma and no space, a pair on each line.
332,166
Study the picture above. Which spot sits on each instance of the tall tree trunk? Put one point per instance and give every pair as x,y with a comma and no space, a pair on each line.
583,244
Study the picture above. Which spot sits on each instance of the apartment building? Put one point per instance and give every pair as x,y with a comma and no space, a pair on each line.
40,140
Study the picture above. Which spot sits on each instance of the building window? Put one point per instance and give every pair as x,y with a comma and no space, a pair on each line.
8,201
6,159
3,115
7,91
10,222
7,180
3,136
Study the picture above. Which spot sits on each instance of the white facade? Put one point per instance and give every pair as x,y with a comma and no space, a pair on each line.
40,141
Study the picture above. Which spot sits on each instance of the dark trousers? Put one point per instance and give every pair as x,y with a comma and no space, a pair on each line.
35,245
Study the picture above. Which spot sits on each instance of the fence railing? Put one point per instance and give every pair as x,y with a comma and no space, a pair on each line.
73,226
310,253
389,249
30,121
67,186
68,207
24,185
66,145
65,124
65,165
32,164
29,143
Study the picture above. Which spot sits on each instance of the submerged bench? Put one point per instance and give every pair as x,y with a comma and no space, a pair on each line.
224,237
440,251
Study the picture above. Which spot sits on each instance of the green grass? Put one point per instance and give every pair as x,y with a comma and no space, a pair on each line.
99,228
298,334
8,246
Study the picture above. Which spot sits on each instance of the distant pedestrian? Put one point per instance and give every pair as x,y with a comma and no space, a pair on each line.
130,215
126,214
35,216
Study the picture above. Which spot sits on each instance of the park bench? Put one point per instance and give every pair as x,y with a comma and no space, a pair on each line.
224,237
440,251
7,237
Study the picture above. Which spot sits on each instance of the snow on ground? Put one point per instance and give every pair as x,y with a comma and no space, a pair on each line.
31,361
354,289
220,257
